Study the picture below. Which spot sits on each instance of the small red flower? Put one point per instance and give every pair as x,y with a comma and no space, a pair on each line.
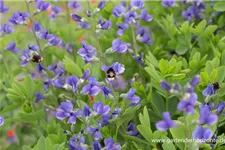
92,99
81,38
10,133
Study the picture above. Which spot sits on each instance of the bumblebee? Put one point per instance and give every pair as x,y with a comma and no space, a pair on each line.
111,75
36,58
216,85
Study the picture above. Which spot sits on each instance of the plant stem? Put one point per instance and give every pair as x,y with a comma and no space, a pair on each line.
134,40
93,29
186,131
32,27
67,13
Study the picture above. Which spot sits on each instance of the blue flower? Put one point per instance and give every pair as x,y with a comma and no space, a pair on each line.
77,142
37,28
19,18
3,8
130,17
139,59
202,133
195,81
119,10
40,68
100,6
143,36
87,52
116,112
57,68
71,83
55,11
220,107
104,25
119,46
84,25
105,120
96,145
100,108
87,111
65,110
206,116
86,74
121,28
6,29
77,18
187,104
45,35
168,3
73,4
209,90
33,47
92,88
110,145
58,82
106,91
54,41
132,130
88,13
137,4
145,16
25,57
38,97
166,123
12,47
41,5
70,47
134,99
95,132
1,121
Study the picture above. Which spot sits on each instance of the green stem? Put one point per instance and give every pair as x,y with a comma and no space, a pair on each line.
134,40
67,13
186,131
93,29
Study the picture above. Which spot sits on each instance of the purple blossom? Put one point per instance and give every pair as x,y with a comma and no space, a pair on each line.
145,16
166,123
38,97
143,36
33,47
40,68
137,4
101,5
104,25
73,4
65,110
41,5
168,3
121,28
130,17
134,99
119,10
116,112
206,116
19,18
95,132
187,104
96,145
195,81
87,111
57,68
105,120
12,47
106,91
58,82
110,145
54,41
220,107
1,121
88,13
55,12
6,29
139,59
119,83
84,25
87,52
100,108
202,133
45,35
132,130
76,142
3,8
25,57
70,47
86,74
71,83
194,11
77,18
119,46
92,88
37,28
209,90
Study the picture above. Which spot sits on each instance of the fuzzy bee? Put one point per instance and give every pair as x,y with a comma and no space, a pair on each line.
36,58
216,85
111,75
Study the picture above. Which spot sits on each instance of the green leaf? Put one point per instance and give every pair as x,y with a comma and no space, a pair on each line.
179,133
151,59
223,58
168,145
27,148
181,49
72,67
163,66
41,144
213,75
210,29
219,6
221,74
145,131
138,140
144,118
29,88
